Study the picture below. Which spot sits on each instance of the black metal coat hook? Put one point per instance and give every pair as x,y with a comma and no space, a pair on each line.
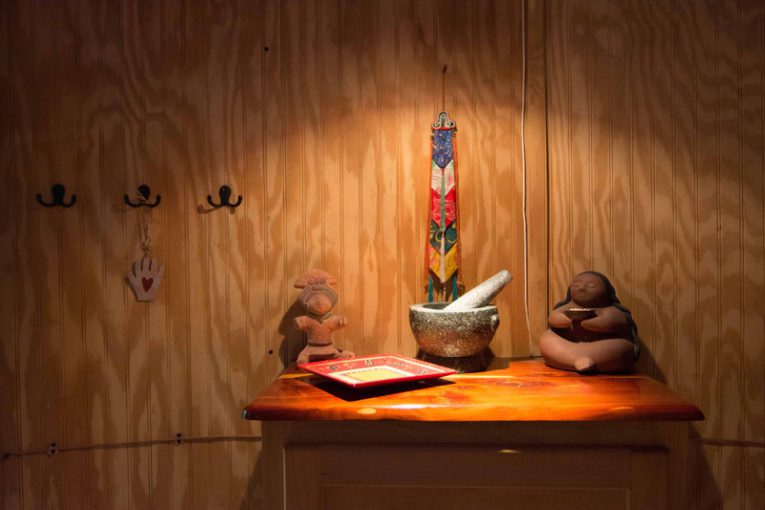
57,191
143,201
225,198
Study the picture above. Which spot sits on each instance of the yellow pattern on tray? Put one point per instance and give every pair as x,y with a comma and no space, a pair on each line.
374,374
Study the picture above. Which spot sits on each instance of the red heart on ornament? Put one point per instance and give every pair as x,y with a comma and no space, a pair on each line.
147,283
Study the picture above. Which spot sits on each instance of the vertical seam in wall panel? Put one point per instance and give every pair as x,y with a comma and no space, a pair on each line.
207,158
61,417
62,330
341,159
283,150
228,162
742,247
378,174
322,130
399,339
652,113
359,128
675,378
397,149
147,310
632,152
187,240
245,264
13,129
232,221
107,393
493,131
126,261
36,244
697,248
168,347
569,124
762,117
611,222
83,314
301,132
719,232
264,191
589,164
475,165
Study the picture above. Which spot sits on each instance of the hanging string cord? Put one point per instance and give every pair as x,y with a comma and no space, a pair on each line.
144,227
443,88
523,160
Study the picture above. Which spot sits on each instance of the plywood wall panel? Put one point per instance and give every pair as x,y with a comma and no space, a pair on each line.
665,195
461,80
730,196
275,131
600,130
753,474
407,142
534,151
707,205
621,184
686,179
559,147
198,187
392,310
318,113
752,102
351,283
10,434
368,144
686,331
295,201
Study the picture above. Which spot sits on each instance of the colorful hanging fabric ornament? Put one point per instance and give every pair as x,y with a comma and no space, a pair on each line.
145,274
442,253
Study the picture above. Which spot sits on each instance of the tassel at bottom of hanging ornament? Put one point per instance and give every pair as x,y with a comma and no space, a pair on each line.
447,291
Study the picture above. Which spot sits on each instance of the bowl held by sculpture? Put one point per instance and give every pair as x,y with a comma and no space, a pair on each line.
452,334
579,314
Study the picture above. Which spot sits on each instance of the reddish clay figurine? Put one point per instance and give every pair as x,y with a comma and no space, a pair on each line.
590,330
317,299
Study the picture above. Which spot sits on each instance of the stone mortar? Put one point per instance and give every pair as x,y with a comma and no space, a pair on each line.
452,334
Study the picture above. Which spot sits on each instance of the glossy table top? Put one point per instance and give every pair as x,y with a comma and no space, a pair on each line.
520,390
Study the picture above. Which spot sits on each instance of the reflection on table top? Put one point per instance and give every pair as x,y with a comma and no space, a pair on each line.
510,390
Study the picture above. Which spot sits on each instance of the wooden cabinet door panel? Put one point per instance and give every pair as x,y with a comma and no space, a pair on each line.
406,476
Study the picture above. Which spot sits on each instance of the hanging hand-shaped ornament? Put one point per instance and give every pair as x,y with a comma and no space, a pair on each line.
146,274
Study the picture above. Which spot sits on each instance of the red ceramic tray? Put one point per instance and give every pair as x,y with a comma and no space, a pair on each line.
375,370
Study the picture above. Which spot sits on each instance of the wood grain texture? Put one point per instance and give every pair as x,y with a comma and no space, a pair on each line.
318,113
644,121
680,93
521,391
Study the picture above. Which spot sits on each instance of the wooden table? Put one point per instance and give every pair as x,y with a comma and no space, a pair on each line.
523,436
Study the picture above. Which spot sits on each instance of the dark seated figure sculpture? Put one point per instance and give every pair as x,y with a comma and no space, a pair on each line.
590,330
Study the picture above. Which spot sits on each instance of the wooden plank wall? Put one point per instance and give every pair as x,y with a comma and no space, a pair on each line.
318,114
656,166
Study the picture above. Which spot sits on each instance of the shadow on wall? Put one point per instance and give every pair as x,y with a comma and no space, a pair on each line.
293,340
254,487
702,485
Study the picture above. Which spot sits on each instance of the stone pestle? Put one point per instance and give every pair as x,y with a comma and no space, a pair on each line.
480,295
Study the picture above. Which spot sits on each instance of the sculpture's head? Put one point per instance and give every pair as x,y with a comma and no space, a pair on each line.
317,298
591,290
